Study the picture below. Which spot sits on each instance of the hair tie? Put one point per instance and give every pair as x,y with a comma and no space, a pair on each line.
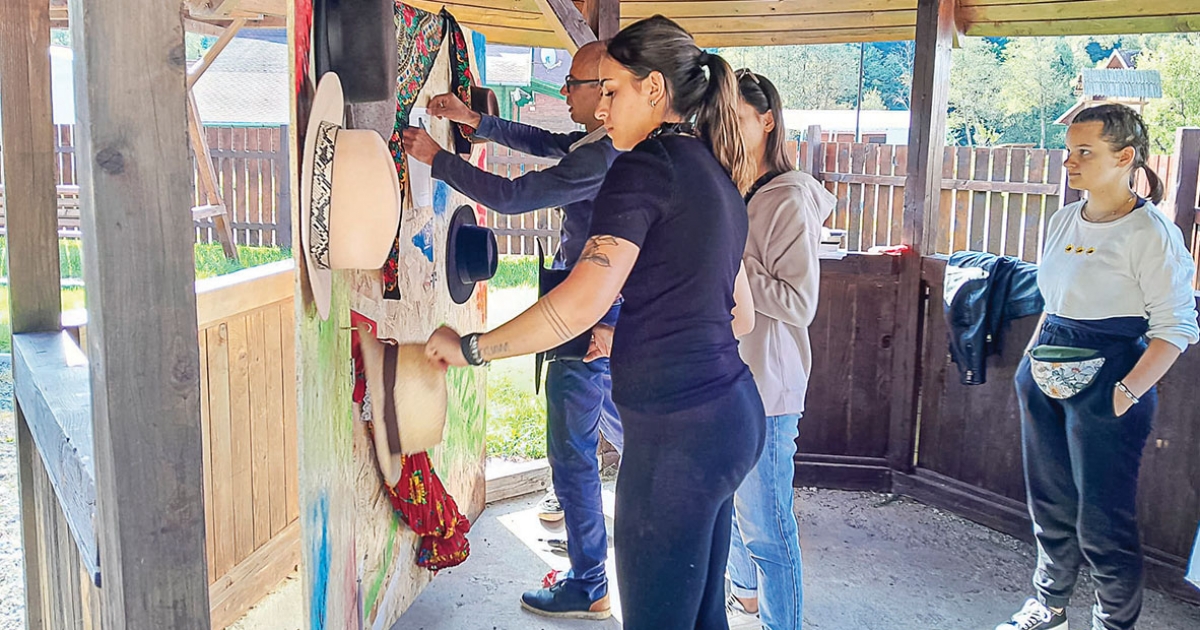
704,58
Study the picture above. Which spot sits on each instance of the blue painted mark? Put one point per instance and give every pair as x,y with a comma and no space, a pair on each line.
479,43
423,240
441,197
319,523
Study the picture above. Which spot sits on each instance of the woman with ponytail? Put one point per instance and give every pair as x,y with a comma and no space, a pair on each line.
1114,273
668,232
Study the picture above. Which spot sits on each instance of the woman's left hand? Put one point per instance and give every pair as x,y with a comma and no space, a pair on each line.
444,348
1121,402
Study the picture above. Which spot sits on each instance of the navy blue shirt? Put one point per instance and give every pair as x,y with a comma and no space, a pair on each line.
572,184
674,346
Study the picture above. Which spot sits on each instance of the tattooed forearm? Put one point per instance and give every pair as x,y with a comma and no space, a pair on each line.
591,251
490,352
557,324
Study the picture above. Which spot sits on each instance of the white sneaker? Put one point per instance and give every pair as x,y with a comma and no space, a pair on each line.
1035,616
739,619
549,509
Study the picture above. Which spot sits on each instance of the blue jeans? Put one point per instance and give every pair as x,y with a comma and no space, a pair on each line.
764,551
579,407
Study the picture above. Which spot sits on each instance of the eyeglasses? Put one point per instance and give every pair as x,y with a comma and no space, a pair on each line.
746,72
572,82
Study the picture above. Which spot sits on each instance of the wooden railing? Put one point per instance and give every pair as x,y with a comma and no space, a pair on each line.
251,165
246,323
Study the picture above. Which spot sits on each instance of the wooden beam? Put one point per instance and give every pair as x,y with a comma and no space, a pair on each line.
207,178
210,55
52,387
1187,147
1075,10
816,22
922,194
568,22
1101,26
32,222
783,38
768,8
135,176
603,17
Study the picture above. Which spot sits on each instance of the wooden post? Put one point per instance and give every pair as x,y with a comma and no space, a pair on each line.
603,16
1187,147
814,156
283,180
32,220
135,182
922,194
567,22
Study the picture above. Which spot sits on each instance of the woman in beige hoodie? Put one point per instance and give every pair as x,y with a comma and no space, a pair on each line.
786,208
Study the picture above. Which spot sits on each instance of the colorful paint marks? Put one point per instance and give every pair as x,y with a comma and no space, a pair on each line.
441,197
423,240
318,528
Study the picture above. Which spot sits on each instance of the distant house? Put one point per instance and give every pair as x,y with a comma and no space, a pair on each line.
247,85
838,125
527,83
1114,80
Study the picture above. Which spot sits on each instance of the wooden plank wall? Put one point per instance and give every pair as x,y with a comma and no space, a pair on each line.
970,440
845,436
248,417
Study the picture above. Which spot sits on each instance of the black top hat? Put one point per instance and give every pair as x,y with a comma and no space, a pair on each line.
357,40
471,254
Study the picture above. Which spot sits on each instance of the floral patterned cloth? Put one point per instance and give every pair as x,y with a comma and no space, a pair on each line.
1064,379
419,496
461,78
419,38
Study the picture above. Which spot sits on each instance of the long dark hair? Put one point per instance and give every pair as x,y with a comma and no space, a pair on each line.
760,93
658,44
1122,128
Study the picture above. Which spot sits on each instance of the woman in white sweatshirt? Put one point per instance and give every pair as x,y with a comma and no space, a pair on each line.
786,208
1114,273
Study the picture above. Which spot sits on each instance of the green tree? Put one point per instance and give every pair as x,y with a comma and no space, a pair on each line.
1177,60
808,77
976,115
1039,72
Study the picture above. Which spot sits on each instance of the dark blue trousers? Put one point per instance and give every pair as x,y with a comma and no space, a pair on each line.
579,407
1081,473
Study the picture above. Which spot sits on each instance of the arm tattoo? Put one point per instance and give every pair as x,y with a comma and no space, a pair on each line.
557,324
493,350
591,251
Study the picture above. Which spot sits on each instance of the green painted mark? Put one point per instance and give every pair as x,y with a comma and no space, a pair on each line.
377,582
465,418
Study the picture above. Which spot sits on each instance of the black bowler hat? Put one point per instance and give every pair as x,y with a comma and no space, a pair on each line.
471,254
357,40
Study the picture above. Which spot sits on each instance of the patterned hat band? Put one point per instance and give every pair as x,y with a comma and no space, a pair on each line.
322,193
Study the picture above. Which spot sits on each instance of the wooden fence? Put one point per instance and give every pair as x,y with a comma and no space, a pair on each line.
246,323
518,234
252,173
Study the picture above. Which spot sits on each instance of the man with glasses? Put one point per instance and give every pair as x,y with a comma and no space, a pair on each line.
578,395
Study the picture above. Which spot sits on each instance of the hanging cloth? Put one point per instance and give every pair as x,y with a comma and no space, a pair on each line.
461,78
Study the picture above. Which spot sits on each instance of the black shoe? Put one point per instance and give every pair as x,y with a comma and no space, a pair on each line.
1035,616
565,600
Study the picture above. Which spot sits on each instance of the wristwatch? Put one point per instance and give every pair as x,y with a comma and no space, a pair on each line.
470,349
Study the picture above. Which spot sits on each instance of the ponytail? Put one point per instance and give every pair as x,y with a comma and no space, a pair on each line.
656,44
717,121
1156,185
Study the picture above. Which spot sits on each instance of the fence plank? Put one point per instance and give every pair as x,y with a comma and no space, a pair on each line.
1012,223
843,192
979,201
206,440
885,165
253,173
898,194
222,449
260,435
1034,205
996,202
276,436
855,206
962,200
1054,173
945,205
241,454
291,450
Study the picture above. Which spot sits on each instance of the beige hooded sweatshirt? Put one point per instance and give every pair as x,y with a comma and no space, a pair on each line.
786,215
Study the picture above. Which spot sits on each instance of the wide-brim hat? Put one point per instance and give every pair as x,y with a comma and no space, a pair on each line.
357,40
408,401
471,254
350,195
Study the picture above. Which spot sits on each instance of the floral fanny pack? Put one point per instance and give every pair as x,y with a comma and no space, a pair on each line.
1062,371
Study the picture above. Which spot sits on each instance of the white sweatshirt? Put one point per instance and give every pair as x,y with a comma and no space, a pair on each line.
1136,266
781,264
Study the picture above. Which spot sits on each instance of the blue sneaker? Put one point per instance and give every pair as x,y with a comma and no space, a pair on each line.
565,601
